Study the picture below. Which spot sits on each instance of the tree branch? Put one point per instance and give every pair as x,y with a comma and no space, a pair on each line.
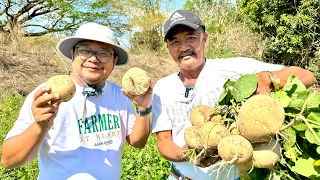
6,10
49,30
35,13
27,7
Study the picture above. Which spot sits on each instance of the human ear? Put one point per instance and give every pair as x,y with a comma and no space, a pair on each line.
205,37
115,60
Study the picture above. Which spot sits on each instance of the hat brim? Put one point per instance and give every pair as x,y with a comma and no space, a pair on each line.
179,23
66,44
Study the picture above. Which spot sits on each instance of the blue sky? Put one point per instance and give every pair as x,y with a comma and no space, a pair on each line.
179,3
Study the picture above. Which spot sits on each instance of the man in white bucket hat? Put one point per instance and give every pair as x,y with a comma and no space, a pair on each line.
90,130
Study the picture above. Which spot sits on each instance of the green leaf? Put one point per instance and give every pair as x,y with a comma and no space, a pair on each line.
228,84
289,138
315,116
226,96
223,96
300,126
314,101
291,154
305,167
296,103
245,86
318,149
294,85
282,97
310,137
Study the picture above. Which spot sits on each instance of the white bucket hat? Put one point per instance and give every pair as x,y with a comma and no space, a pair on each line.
95,32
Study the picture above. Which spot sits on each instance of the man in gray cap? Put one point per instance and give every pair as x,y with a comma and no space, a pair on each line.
200,81
90,130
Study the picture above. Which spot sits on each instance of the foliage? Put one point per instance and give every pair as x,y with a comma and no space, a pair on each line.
299,139
291,28
147,40
40,17
228,35
137,164
145,163
10,104
147,17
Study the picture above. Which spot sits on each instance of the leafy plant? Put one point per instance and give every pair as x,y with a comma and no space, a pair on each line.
291,28
299,139
10,104
145,163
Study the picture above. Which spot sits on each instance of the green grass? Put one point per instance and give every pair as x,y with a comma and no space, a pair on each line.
10,104
141,164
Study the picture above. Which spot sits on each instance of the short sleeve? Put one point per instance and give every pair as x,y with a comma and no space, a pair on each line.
160,119
239,66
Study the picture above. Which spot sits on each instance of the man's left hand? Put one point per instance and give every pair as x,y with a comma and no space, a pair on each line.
142,101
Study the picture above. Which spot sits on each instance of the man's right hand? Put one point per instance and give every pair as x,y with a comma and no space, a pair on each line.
43,111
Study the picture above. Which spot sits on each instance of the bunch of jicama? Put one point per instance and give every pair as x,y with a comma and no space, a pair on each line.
264,136
248,143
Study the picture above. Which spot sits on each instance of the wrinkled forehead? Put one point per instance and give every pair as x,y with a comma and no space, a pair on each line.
180,29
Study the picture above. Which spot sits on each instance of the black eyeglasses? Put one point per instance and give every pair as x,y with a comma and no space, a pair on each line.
102,56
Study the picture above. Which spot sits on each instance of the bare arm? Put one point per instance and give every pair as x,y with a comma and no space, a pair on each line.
141,128
265,84
22,149
168,149
140,131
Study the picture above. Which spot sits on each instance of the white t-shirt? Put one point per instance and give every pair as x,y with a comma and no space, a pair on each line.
171,109
83,150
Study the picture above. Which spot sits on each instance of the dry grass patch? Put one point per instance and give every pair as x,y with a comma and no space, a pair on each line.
27,62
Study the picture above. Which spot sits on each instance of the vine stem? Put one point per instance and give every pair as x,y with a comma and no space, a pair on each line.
298,115
311,129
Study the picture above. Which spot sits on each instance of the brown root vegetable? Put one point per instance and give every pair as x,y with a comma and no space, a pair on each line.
62,85
200,114
136,81
212,133
203,113
235,148
260,118
193,137
266,155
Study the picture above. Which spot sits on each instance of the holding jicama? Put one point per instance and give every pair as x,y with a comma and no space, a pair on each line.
62,85
283,127
260,118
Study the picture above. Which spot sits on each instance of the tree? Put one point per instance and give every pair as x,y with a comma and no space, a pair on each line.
228,35
40,17
147,17
291,28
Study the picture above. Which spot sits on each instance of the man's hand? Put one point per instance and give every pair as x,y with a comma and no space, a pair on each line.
43,111
143,101
264,83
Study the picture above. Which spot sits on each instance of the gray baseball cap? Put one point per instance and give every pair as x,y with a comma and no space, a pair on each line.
182,17
94,32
